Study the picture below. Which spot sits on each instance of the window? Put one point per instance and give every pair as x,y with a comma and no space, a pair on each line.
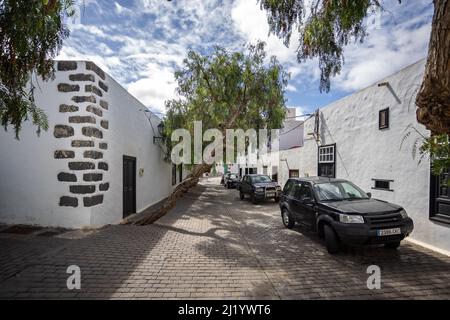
327,161
339,190
287,187
174,174
304,192
382,184
294,174
383,119
264,169
260,179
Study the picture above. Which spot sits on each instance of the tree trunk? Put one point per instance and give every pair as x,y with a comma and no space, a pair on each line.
190,181
433,99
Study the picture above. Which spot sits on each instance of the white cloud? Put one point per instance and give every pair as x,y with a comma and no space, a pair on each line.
154,89
251,22
142,43
384,52
401,41
291,88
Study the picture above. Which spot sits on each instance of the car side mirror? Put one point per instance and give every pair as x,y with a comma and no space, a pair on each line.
308,200
369,194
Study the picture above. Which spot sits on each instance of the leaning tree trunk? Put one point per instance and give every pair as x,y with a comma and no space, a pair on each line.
433,99
190,181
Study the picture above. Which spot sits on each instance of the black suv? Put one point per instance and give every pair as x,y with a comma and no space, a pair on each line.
259,187
232,181
340,212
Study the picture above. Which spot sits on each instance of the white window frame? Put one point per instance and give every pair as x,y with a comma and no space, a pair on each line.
326,154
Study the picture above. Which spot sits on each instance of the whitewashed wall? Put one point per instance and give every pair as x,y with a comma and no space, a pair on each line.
364,152
30,192
131,134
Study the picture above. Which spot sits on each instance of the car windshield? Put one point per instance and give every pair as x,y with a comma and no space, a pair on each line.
339,190
258,179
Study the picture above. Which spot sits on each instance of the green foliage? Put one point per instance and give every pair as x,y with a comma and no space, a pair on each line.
324,30
436,147
228,90
31,33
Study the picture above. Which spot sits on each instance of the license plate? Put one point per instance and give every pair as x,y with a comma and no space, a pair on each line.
388,232
270,194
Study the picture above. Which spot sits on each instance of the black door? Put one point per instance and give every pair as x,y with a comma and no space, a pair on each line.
295,203
440,198
307,205
129,185
246,188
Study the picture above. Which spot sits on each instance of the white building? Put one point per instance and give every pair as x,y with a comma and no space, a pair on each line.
97,162
289,140
359,138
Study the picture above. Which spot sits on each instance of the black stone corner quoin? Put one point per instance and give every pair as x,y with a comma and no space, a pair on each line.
85,106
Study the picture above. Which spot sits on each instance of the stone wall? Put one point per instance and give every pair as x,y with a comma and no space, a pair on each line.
86,177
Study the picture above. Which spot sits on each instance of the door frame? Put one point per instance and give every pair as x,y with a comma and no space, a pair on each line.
435,199
133,160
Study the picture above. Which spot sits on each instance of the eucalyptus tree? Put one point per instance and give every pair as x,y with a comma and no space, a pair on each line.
325,27
31,34
224,90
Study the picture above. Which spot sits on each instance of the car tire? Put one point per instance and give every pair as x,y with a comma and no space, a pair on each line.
253,199
241,195
392,245
287,220
331,240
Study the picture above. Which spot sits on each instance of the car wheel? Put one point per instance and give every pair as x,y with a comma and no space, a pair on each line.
241,195
287,221
392,245
331,240
253,199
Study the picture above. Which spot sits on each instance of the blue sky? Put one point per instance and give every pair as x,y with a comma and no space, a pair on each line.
142,42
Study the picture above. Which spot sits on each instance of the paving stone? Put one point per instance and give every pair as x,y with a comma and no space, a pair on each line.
211,245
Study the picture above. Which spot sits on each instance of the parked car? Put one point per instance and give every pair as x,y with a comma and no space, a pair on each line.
341,213
232,181
259,187
224,177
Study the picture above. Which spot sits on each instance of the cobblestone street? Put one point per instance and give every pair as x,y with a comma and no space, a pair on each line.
212,245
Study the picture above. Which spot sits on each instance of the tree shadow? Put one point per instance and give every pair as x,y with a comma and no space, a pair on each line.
213,245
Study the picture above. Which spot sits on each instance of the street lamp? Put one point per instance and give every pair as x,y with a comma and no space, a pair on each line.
161,133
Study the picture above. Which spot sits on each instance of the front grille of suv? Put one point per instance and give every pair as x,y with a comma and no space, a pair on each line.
385,221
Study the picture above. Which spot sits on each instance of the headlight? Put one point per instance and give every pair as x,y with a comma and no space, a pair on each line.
404,214
350,218
259,190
